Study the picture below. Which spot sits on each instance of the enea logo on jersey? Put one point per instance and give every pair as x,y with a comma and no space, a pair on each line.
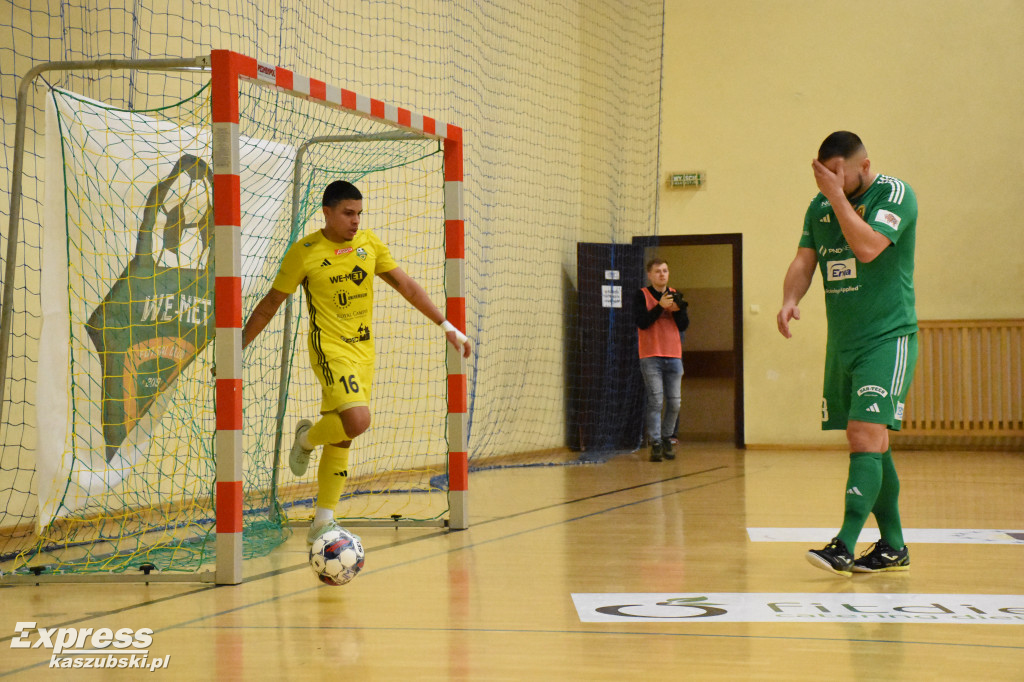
889,218
836,270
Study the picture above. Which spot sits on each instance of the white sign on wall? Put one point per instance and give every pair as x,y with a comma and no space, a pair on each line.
611,296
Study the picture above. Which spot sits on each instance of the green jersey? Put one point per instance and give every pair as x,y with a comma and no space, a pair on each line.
867,302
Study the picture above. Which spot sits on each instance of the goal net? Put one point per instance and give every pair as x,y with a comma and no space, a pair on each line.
127,455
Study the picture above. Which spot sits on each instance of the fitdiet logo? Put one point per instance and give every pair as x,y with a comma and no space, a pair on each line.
727,607
89,647
678,607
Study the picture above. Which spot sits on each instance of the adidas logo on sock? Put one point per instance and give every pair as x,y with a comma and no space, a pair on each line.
874,408
854,491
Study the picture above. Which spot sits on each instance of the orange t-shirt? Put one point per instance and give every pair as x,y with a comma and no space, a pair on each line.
661,339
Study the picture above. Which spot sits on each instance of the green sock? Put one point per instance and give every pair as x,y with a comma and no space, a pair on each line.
887,507
862,485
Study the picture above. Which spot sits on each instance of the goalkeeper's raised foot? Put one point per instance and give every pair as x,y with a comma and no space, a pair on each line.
318,529
298,459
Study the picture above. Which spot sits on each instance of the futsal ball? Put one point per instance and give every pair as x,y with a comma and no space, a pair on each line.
336,556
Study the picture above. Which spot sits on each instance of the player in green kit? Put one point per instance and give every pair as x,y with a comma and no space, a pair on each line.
859,231
336,266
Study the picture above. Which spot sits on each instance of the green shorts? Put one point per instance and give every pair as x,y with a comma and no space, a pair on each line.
868,384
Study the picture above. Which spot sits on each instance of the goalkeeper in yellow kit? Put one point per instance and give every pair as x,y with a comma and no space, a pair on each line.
335,267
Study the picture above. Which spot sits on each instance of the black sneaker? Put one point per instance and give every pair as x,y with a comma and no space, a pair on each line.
834,557
656,451
881,557
666,449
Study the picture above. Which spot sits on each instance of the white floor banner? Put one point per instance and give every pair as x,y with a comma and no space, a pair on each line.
814,607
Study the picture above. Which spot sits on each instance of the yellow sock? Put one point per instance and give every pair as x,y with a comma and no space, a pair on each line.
332,475
328,430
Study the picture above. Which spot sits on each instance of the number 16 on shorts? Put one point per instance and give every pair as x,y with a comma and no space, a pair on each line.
350,384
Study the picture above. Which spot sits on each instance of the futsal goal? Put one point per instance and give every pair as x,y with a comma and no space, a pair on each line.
159,452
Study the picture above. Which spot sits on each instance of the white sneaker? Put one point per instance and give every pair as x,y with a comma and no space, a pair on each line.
298,458
318,529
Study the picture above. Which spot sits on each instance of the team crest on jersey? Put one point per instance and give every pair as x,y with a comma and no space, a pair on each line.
861,210
361,252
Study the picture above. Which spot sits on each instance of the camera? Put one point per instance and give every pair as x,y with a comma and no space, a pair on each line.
677,296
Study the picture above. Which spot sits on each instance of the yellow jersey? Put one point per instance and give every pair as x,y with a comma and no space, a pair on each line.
338,280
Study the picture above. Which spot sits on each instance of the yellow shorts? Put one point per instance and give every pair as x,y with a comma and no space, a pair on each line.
345,384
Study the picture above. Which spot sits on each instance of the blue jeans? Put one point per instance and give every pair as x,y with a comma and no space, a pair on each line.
662,377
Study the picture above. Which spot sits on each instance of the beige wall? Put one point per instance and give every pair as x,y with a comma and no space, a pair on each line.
933,87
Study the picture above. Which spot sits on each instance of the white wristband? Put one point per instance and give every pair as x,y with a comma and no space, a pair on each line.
449,327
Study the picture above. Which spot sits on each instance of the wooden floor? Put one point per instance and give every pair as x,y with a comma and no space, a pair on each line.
494,602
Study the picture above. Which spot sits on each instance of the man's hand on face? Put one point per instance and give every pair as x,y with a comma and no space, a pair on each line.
829,183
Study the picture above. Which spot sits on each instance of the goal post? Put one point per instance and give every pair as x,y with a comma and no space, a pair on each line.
246,421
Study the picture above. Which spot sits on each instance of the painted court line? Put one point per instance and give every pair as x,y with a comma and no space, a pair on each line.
937,536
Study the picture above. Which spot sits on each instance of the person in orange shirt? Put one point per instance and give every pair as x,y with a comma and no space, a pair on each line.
660,319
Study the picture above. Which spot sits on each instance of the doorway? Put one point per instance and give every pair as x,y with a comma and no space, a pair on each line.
708,270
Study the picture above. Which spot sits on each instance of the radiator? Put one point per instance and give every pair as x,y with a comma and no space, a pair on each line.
969,380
